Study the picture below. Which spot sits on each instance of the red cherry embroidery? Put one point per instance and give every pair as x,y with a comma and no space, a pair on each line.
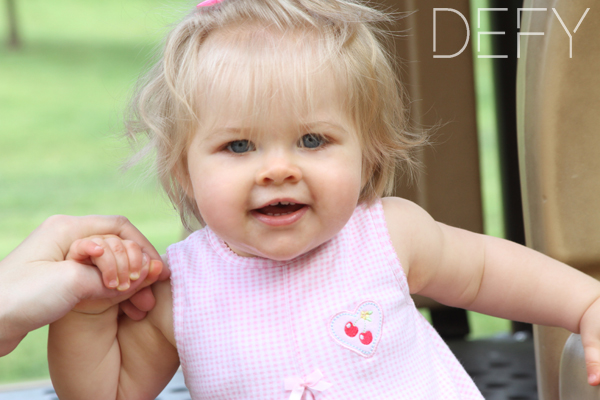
350,329
366,337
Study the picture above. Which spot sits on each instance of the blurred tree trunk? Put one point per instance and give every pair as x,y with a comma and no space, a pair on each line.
14,42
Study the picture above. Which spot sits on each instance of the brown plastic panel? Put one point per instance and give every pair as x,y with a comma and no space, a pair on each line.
441,92
558,120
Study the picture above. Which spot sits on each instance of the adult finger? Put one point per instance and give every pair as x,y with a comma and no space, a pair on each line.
144,299
132,311
155,271
62,230
127,231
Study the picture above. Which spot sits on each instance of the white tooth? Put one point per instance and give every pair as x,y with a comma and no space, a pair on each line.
274,204
292,204
276,215
270,214
283,203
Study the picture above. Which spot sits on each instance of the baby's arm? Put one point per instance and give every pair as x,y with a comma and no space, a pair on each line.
96,354
494,276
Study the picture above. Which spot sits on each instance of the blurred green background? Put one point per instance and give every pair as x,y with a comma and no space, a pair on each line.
62,95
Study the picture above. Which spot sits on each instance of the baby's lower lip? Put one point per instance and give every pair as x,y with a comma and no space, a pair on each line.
283,219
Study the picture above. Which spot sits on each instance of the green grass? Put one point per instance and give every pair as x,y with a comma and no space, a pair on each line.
61,101
61,98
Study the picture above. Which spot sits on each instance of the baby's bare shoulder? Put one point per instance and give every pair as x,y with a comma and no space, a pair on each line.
397,216
403,216
407,224
397,207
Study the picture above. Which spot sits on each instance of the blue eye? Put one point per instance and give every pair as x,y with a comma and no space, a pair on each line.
312,141
240,146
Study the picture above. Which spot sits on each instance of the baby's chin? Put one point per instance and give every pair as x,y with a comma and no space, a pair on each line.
275,253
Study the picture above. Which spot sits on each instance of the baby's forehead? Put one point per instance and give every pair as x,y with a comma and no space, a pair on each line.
267,70
264,54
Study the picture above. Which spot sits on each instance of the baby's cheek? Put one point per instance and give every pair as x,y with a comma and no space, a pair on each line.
347,185
222,210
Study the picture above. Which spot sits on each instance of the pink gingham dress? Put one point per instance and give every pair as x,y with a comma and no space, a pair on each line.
335,323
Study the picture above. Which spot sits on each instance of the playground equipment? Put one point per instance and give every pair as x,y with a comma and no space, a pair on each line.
558,92
558,119
442,91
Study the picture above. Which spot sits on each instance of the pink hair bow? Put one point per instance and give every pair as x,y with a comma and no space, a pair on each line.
208,3
313,381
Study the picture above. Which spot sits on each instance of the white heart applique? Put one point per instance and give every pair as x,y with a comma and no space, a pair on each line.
360,330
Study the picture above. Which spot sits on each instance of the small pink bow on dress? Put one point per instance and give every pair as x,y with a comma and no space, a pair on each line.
298,385
208,3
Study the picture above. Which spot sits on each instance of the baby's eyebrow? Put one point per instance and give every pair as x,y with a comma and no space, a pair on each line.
219,134
324,124
236,132
225,131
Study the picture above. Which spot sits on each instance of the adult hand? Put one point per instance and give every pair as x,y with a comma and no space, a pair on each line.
37,285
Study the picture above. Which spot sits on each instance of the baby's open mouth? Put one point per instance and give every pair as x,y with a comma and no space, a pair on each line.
280,208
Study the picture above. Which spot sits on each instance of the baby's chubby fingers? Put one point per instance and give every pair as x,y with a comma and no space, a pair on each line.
107,264
121,262
592,362
590,338
82,250
130,260
137,259
95,251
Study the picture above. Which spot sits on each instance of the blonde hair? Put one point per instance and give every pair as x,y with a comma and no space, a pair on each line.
214,46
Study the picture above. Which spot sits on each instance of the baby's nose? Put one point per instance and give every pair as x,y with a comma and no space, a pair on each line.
278,171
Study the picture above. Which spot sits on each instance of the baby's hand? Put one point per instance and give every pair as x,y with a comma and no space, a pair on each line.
121,263
590,338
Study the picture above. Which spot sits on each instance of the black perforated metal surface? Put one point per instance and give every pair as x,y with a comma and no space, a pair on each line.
503,369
